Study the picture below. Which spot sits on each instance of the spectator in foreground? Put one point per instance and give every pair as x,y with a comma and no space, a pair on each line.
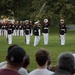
65,64
42,60
49,66
26,63
74,67
15,59
3,64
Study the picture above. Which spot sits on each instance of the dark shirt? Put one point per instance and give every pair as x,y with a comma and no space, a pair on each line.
0,26
45,28
3,27
61,72
13,27
8,72
17,26
20,27
36,30
10,29
62,29
27,29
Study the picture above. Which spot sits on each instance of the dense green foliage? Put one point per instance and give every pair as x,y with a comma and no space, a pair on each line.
53,47
39,9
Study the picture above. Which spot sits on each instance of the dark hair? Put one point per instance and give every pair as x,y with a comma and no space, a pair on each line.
26,61
16,55
66,61
41,56
10,47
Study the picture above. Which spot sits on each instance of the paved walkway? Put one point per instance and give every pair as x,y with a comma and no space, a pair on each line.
72,27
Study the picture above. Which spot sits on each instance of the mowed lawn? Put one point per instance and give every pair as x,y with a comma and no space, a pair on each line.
53,47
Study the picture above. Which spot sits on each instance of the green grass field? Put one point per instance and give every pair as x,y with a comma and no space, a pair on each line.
53,47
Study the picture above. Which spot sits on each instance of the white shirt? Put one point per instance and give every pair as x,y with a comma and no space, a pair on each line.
3,63
41,72
22,71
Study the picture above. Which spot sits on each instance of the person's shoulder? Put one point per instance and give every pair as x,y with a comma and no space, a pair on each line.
49,72
3,67
32,72
23,71
3,63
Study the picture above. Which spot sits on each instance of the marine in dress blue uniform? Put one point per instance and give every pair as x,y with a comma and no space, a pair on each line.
45,31
14,29
0,28
17,28
62,31
9,31
36,33
27,32
21,28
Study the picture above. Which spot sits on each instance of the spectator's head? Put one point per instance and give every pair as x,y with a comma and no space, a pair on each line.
12,46
42,57
66,61
27,61
16,56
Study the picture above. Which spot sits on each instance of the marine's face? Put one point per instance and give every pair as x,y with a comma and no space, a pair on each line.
45,21
62,22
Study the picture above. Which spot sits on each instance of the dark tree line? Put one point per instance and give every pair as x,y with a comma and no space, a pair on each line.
39,9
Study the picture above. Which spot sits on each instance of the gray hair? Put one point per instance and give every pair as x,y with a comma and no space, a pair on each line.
66,61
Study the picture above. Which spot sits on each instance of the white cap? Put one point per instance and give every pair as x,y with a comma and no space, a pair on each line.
26,21
36,23
45,20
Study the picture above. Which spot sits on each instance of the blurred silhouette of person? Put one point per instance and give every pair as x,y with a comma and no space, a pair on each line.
15,59
65,64
26,63
41,56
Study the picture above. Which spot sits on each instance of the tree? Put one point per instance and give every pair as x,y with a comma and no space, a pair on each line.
55,9
39,9
6,7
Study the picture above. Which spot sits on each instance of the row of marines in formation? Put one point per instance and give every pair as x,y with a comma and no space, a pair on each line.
16,27
27,28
